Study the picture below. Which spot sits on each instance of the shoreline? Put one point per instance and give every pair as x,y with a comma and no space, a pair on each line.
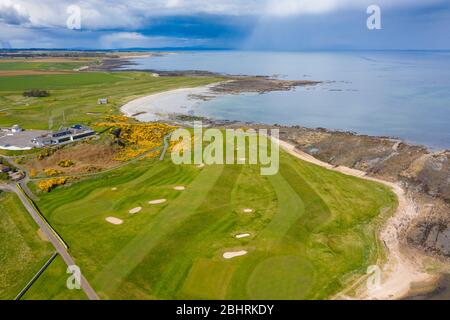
400,273
167,105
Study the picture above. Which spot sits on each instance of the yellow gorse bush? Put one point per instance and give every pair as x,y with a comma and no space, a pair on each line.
48,185
51,172
66,163
33,173
139,137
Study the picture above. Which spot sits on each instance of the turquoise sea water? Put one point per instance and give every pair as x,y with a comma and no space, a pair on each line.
399,94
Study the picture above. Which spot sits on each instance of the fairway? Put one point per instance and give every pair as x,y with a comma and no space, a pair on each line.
23,252
310,230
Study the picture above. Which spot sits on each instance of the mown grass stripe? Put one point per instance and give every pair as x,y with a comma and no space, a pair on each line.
168,220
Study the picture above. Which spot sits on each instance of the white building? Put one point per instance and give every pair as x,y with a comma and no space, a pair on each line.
16,129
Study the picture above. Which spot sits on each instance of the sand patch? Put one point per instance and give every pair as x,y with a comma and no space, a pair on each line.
242,235
159,201
248,210
114,189
135,210
113,220
202,165
42,235
179,188
231,255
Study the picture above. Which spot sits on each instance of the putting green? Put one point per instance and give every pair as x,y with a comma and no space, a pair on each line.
310,229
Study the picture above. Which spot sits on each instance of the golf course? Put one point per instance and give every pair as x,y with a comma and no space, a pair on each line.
151,229
310,230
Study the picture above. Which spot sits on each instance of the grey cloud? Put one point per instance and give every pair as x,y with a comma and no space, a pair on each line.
10,14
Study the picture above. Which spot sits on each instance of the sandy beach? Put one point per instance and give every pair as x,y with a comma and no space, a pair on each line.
161,106
164,105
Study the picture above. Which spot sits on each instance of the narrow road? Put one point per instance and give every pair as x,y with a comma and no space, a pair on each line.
166,146
60,248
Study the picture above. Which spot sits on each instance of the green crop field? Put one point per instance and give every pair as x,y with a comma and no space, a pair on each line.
74,96
47,66
22,251
311,230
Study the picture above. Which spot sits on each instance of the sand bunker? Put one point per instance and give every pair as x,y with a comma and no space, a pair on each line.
179,188
113,220
114,189
248,210
157,201
242,235
135,210
231,255
200,165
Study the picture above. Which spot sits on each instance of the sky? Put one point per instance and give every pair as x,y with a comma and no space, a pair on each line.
232,24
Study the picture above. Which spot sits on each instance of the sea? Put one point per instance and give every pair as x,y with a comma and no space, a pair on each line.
400,94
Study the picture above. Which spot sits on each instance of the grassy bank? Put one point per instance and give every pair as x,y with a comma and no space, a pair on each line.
23,252
52,285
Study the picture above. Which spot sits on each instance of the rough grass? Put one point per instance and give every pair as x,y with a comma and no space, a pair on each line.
22,251
52,284
311,228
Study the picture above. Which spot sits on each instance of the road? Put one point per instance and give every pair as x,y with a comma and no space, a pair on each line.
60,248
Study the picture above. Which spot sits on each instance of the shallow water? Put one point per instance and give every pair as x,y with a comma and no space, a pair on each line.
399,94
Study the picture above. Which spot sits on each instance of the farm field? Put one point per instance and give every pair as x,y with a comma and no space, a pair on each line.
52,284
74,96
9,65
23,252
310,230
